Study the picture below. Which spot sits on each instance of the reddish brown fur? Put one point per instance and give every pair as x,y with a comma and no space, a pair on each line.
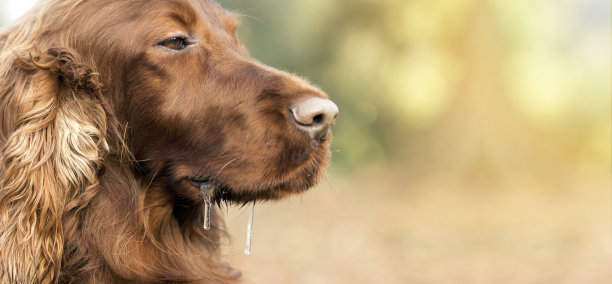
101,128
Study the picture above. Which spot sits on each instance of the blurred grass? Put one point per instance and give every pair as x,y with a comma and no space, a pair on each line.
473,143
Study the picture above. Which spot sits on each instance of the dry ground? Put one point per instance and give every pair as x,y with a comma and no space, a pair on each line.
383,226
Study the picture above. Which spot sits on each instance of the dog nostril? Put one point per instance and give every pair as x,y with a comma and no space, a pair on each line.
317,119
314,115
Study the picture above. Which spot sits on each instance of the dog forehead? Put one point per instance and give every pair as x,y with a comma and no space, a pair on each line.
144,22
218,14
188,10
191,13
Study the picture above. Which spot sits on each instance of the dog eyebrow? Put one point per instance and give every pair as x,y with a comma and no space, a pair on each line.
183,14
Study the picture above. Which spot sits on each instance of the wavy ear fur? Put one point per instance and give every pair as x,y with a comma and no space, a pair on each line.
55,142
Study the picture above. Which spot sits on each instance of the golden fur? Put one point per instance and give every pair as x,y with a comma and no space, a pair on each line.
57,144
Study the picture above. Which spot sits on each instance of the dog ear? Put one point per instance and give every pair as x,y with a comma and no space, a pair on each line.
49,161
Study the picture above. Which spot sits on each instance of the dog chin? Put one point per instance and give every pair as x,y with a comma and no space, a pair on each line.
220,193
228,191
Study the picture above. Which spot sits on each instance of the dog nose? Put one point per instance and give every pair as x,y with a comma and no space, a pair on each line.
314,115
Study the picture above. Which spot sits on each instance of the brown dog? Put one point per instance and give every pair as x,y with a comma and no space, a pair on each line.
114,114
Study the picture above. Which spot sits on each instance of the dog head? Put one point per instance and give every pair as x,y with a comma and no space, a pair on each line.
199,109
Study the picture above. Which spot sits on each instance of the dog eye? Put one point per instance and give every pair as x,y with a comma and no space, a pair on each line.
176,43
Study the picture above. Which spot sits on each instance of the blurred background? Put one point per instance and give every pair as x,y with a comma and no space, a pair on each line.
473,143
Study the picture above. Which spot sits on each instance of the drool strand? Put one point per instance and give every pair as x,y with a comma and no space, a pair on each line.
247,251
206,192
207,206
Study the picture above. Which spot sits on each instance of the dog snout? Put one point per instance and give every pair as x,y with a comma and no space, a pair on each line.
315,116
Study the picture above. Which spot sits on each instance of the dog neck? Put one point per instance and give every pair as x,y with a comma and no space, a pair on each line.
132,222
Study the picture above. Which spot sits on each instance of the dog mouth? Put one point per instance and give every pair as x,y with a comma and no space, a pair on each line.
233,189
209,189
216,192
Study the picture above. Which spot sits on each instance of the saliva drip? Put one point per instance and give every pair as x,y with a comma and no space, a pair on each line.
247,251
206,191
207,206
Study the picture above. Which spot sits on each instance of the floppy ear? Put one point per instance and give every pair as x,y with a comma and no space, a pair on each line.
49,162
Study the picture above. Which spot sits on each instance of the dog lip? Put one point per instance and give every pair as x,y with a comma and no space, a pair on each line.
217,193
222,191
200,182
